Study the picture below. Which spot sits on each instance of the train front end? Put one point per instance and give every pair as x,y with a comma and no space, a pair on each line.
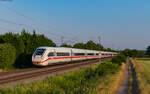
38,57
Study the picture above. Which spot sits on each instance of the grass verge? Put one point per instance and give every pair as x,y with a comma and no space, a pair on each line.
142,68
111,83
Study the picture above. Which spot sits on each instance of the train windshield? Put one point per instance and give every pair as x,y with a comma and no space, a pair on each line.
40,51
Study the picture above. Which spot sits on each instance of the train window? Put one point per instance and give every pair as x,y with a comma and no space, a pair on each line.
97,53
90,54
39,51
63,54
79,54
50,54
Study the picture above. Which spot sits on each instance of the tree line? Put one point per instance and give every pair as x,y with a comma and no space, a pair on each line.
133,53
16,49
90,45
136,53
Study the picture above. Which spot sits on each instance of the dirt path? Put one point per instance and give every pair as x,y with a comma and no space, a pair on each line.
124,87
125,84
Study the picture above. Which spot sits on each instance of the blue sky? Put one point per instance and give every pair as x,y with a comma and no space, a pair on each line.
120,23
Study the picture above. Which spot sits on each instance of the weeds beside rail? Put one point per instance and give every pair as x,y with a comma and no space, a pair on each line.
83,81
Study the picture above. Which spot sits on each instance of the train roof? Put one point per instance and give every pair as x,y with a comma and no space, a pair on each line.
73,49
104,52
76,49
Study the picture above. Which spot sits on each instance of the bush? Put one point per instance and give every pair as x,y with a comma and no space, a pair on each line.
119,59
7,56
106,68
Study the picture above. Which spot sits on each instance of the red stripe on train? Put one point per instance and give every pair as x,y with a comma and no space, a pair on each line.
63,58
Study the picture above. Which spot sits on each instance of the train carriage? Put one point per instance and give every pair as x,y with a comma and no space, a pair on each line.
44,56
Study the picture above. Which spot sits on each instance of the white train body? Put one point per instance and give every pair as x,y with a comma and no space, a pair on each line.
44,56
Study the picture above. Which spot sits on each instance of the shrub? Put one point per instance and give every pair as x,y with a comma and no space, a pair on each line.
106,68
7,55
119,59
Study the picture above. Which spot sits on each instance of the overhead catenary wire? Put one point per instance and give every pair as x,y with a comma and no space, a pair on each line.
9,30
35,21
25,16
11,22
31,19
70,40
20,24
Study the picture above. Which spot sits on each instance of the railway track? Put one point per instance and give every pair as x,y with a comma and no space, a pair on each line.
14,77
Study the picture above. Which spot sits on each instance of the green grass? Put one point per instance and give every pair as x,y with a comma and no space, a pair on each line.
111,83
83,81
142,67
146,64
68,83
143,59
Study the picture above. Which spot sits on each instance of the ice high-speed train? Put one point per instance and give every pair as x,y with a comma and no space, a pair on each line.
44,56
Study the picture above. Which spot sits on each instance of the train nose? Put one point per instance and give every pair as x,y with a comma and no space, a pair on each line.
36,59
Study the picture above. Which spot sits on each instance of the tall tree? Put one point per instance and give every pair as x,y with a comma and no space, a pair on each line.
91,45
79,45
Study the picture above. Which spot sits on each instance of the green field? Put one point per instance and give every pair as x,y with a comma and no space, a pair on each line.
146,64
142,67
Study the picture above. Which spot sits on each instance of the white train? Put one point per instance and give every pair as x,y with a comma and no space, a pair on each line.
44,56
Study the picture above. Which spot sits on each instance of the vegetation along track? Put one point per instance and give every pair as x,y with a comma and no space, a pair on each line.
15,76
